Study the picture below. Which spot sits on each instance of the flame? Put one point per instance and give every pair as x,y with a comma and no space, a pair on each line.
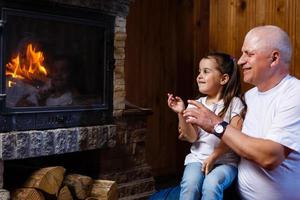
29,67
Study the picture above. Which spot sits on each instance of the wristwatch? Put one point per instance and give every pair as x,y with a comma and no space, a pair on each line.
219,129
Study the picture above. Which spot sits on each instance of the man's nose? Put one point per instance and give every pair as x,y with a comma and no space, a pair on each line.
241,60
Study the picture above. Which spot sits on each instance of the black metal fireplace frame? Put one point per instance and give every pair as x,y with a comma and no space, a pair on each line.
36,118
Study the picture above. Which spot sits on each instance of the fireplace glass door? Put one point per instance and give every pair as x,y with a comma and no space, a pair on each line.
54,61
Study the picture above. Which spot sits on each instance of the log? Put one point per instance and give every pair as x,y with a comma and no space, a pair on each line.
79,185
48,179
95,198
27,194
105,189
64,194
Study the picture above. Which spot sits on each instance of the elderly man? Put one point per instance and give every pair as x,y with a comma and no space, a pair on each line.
269,143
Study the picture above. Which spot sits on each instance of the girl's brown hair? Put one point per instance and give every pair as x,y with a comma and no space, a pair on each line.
228,65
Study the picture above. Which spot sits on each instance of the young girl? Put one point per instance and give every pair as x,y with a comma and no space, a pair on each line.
211,166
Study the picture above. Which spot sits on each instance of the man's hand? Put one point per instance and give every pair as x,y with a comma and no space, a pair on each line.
201,116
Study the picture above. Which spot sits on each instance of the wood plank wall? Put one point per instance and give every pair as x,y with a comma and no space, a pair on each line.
160,59
230,20
166,40
150,72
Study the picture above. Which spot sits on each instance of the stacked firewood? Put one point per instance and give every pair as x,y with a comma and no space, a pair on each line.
51,183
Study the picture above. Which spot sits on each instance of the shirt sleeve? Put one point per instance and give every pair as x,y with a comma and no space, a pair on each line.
236,107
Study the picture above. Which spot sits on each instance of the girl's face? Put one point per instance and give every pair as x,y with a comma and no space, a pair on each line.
210,80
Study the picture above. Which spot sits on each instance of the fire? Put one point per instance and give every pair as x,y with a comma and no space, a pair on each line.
29,67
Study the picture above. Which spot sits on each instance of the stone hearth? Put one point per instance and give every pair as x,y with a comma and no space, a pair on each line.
28,144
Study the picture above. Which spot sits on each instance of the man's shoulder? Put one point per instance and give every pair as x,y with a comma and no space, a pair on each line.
292,84
293,80
251,92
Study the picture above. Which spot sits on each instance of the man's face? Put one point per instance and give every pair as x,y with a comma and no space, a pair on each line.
255,60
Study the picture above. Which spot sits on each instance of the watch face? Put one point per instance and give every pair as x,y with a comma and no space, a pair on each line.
219,128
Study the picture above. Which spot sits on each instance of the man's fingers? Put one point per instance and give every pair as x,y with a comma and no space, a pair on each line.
195,103
190,115
191,112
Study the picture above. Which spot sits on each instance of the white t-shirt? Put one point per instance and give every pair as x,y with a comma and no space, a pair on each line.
205,145
273,115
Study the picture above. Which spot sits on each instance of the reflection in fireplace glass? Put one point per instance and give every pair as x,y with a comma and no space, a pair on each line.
53,62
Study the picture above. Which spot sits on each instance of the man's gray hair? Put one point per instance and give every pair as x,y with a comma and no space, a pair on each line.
275,38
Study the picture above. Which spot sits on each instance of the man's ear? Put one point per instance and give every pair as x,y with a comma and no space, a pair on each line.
224,79
275,57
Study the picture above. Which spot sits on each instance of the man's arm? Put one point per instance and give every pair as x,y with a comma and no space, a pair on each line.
266,153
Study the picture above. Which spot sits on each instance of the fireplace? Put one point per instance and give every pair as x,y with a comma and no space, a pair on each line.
62,93
56,67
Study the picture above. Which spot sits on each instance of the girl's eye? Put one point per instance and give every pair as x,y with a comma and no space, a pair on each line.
205,71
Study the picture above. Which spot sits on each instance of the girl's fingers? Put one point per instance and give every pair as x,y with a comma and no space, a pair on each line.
206,169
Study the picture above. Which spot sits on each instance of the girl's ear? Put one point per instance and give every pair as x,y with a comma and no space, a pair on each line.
224,79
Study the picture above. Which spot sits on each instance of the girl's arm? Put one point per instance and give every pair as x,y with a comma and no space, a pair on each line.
222,148
187,131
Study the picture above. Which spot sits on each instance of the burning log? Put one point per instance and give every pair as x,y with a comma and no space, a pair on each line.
47,179
28,67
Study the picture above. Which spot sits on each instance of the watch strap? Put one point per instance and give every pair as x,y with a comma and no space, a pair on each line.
224,124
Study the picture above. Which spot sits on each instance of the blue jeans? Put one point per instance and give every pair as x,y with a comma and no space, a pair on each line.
195,184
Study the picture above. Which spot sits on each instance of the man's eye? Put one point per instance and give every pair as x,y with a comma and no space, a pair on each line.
250,54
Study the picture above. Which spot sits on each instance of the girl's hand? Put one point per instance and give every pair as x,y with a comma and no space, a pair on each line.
176,103
208,164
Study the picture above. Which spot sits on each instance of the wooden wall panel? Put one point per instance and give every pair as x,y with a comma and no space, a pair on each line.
160,59
200,41
150,71
230,20
220,24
